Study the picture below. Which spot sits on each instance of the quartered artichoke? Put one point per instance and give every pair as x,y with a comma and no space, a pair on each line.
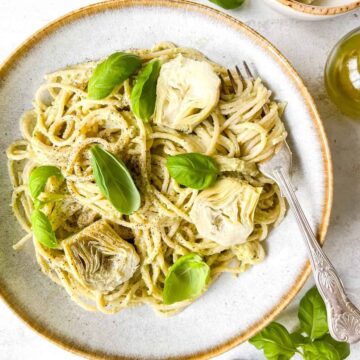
224,213
187,91
101,260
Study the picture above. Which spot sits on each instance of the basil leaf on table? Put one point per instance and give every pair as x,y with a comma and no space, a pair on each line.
299,339
186,279
275,341
193,170
39,177
312,314
143,95
342,348
42,229
114,181
320,350
228,4
278,344
112,72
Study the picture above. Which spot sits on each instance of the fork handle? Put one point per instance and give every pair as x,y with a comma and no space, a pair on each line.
343,316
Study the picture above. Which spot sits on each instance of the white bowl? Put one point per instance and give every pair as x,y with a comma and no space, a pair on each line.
319,10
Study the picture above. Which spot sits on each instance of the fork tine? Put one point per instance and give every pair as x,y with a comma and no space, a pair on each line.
251,76
223,85
248,71
233,83
239,74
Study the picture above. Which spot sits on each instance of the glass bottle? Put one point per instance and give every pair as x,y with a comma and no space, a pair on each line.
342,74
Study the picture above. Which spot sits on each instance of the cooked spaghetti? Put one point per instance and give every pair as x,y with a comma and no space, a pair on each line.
109,261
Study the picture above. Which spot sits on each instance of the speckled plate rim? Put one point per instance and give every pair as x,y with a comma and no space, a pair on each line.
319,10
298,83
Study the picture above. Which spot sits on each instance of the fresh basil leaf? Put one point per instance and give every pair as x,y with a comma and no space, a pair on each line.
143,95
342,348
320,350
114,181
275,341
42,229
228,4
186,279
312,314
112,72
299,339
39,177
193,170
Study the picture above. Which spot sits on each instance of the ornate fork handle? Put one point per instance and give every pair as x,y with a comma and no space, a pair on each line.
343,316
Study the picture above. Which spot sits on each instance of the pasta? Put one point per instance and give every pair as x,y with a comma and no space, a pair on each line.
241,130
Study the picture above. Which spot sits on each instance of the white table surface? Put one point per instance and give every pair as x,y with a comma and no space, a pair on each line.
306,45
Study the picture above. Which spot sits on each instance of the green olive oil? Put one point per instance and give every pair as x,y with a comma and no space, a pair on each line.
342,74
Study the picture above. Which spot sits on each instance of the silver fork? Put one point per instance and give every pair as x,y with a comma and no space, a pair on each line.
343,316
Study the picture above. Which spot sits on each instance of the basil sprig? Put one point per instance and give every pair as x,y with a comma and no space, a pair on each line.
143,95
114,181
42,229
312,341
324,350
276,342
186,279
342,348
228,4
312,315
39,177
193,170
112,72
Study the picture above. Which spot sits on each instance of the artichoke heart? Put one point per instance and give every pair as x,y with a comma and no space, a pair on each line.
100,259
187,91
224,213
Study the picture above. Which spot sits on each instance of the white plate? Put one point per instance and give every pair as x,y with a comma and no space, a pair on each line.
234,308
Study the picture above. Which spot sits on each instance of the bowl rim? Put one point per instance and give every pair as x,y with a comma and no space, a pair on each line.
319,10
286,66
